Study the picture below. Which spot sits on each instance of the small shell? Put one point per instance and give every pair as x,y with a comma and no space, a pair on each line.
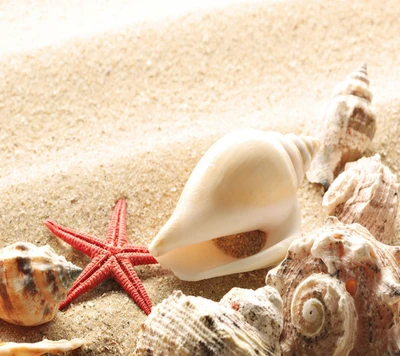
348,127
39,348
33,282
244,323
365,193
238,207
340,289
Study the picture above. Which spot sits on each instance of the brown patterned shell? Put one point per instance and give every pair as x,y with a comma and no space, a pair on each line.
33,282
244,323
347,128
340,289
366,193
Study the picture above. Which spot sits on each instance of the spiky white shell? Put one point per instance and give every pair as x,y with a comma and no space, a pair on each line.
340,289
347,128
366,193
33,282
39,348
244,323
245,185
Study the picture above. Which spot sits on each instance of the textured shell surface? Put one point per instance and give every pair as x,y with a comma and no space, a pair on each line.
366,193
33,282
244,322
340,289
238,207
347,128
39,348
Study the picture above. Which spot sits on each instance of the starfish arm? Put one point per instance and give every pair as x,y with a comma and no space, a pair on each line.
126,276
134,249
139,258
92,276
116,232
87,244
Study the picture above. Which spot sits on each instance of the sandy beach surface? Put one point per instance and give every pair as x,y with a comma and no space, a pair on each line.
127,105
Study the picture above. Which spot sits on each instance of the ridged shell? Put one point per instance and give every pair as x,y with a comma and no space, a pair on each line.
33,282
39,348
347,128
340,289
366,193
238,207
244,323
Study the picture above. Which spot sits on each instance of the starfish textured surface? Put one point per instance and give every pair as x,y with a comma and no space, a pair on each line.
112,257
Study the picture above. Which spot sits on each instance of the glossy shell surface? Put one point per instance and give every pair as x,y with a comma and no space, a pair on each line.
238,207
33,282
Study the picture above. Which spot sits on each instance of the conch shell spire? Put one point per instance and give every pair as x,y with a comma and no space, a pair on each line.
347,128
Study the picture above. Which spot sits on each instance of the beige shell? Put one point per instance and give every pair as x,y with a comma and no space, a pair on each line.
340,289
366,193
33,282
347,128
244,323
39,348
238,207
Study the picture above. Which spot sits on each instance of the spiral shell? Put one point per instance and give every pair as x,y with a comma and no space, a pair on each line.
39,348
340,289
244,323
238,207
33,282
366,193
348,127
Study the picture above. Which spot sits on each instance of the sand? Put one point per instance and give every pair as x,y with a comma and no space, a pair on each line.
128,110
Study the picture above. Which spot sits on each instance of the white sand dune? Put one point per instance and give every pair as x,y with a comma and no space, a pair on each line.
106,101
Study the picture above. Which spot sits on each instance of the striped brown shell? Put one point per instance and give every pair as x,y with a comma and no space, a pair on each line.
33,282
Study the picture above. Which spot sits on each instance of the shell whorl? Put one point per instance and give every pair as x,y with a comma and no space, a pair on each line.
322,309
33,282
356,83
301,150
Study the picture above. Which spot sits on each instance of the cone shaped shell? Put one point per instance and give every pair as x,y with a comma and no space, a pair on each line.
246,182
340,292
33,282
347,128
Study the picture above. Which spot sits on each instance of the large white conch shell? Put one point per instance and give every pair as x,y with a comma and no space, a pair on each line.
245,185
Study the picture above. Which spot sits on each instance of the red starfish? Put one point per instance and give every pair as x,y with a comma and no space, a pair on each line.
112,257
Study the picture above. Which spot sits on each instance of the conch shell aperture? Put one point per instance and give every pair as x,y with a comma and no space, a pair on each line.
347,128
239,206
33,282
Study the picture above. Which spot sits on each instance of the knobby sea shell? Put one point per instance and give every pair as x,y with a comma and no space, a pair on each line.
340,289
238,207
33,282
39,348
244,323
347,128
366,193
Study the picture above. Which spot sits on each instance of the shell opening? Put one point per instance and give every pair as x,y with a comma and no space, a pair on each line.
243,244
